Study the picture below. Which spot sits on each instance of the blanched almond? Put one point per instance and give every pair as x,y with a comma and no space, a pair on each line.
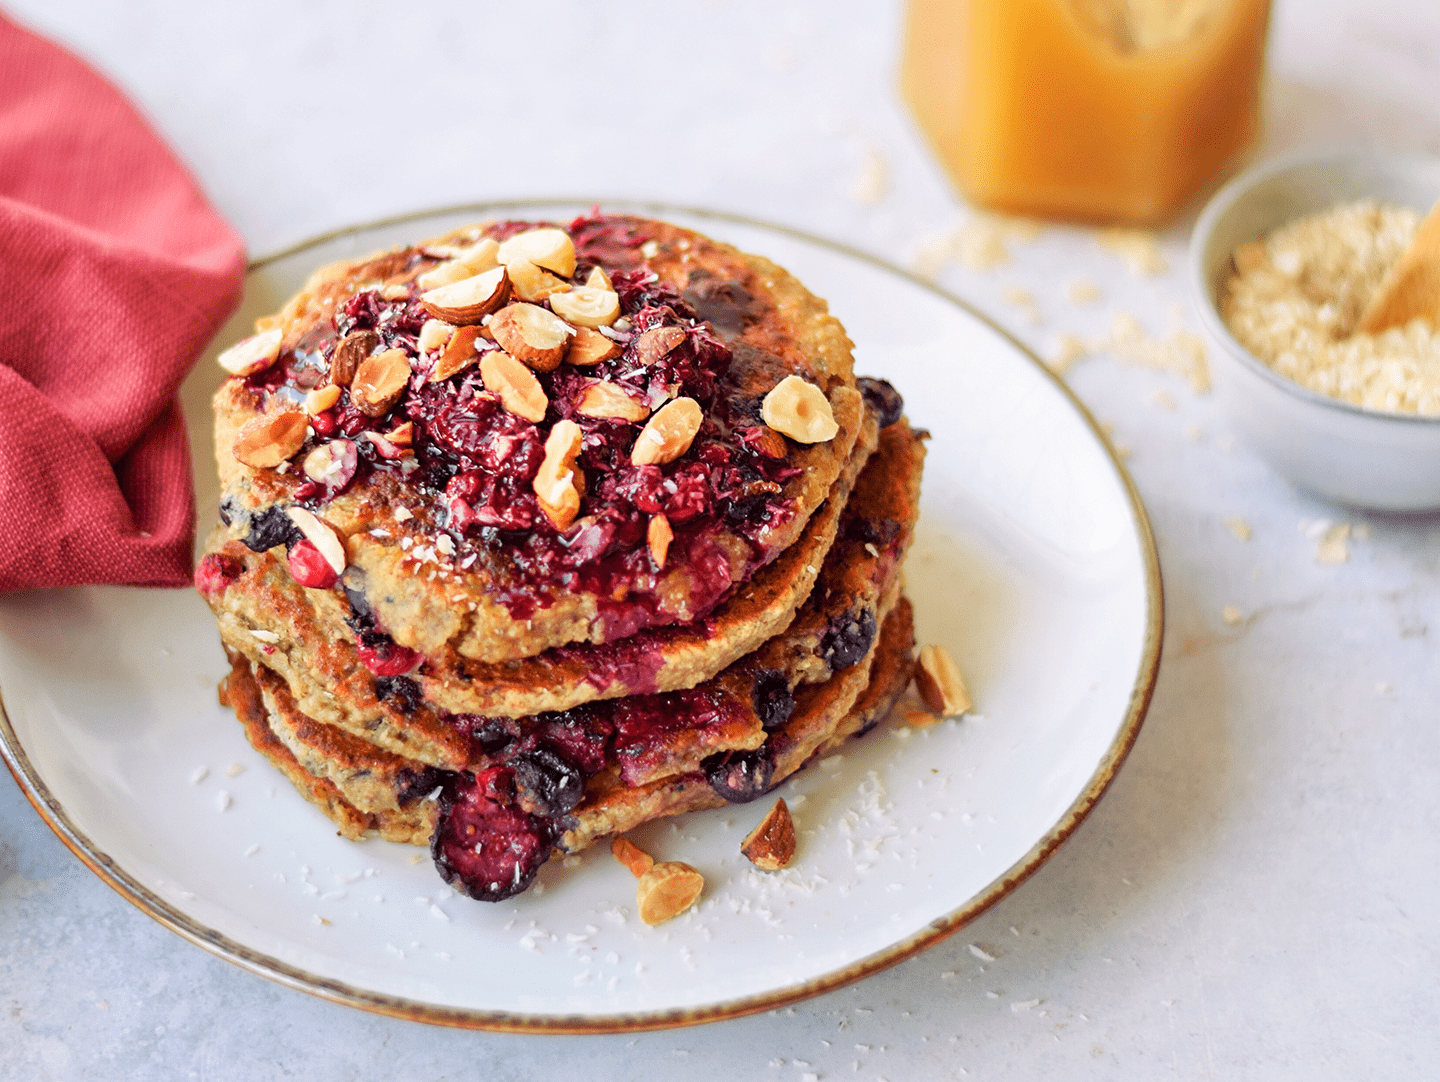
668,434
605,399
771,845
469,300
320,535
800,410
551,249
667,890
940,684
656,342
253,354
587,307
331,464
520,392
321,399
658,536
394,292
598,279
532,283
531,335
434,334
350,351
558,482
268,441
379,382
632,856
590,347
459,354
462,263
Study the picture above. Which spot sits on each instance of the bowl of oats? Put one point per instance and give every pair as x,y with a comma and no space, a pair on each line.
1285,261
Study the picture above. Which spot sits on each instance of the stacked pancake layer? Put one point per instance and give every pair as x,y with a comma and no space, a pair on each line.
528,538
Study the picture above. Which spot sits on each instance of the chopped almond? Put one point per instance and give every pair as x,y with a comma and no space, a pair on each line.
268,441
379,382
350,351
320,535
550,249
590,347
940,684
605,399
520,392
632,856
667,890
598,279
469,300
656,342
587,307
558,482
771,845
800,410
531,283
668,434
321,399
459,354
253,354
658,536
532,335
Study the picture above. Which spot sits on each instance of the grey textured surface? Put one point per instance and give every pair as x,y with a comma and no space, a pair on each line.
1254,897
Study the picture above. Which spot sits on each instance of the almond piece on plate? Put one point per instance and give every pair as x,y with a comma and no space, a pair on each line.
940,684
253,354
459,354
590,347
549,249
605,399
349,352
667,890
532,335
520,392
800,410
771,845
531,283
379,382
587,307
632,856
668,434
268,441
469,300
558,482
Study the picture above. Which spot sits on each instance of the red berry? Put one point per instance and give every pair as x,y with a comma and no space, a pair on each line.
389,659
215,572
309,568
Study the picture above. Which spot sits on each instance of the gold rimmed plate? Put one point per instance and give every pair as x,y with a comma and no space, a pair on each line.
1033,563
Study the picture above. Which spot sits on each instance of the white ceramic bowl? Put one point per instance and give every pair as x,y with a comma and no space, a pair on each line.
1363,457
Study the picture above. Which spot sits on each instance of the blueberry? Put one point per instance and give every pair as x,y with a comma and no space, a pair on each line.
399,691
269,528
414,784
546,782
773,702
881,397
740,776
847,639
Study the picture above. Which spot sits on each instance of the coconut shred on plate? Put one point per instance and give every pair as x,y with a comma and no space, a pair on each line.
1293,299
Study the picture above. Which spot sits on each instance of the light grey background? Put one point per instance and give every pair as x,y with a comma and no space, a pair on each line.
1255,897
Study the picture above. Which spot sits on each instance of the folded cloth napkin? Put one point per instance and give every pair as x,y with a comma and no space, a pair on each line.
114,275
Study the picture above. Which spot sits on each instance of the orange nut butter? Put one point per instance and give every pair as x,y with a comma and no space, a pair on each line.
1090,110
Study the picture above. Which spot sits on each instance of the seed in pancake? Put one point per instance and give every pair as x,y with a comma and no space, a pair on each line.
939,682
800,410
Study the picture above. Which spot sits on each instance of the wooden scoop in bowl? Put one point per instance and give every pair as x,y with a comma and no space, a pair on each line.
1412,288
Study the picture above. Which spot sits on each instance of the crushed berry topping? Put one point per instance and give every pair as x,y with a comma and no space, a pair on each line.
484,848
216,572
473,463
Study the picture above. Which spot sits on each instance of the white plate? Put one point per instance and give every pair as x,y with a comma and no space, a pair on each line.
1033,563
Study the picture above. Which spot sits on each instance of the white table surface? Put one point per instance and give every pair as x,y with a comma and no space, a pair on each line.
1255,898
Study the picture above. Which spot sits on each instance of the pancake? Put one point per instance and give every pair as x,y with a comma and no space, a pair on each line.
444,539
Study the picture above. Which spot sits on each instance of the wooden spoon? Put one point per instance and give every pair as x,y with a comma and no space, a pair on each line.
1412,288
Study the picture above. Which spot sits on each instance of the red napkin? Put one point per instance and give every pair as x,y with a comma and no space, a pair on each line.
114,275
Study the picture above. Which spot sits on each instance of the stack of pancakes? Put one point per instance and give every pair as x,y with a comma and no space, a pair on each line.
429,650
